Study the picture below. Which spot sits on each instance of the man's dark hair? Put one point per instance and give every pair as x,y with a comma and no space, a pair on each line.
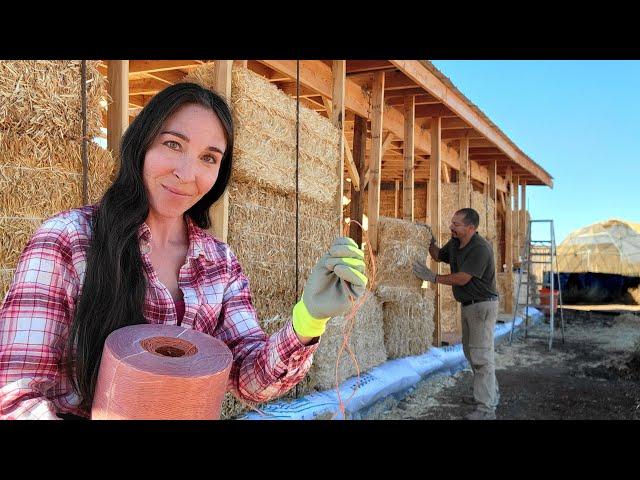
471,217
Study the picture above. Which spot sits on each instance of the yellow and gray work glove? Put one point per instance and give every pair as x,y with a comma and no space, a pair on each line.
337,277
423,272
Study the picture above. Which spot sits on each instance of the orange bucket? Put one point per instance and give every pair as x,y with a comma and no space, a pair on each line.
545,296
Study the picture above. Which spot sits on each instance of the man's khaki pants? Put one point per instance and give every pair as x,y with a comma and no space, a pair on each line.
478,322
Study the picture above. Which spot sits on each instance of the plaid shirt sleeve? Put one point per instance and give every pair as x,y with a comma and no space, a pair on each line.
34,320
263,367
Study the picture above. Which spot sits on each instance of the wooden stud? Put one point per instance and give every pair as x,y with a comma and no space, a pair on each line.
408,180
516,219
435,215
508,233
357,203
118,109
337,119
464,179
220,209
377,112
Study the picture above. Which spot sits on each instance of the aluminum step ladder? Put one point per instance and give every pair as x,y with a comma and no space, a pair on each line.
539,252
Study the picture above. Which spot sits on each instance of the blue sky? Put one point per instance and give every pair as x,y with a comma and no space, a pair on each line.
579,120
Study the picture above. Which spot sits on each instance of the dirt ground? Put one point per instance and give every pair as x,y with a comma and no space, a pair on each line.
593,375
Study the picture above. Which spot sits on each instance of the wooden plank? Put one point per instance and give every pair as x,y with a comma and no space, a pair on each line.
516,218
417,72
351,166
118,109
446,176
146,86
359,66
357,196
241,63
464,181
492,195
377,111
168,77
339,70
457,133
508,251
147,66
435,109
408,179
220,209
435,188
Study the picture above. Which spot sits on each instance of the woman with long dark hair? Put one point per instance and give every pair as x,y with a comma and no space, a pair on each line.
141,255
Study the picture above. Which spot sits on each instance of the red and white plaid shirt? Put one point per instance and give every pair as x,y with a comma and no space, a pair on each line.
37,311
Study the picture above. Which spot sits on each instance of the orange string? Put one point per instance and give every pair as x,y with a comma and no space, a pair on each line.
349,324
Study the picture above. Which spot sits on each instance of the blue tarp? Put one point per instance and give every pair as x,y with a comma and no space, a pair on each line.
393,378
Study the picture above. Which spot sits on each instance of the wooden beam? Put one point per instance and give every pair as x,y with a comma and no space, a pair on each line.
241,63
147,66
492,191
337,119
169,77
146,86
446,176
351,166
523,208
377,111
457,133
408,180
464,179
118,109
360,66
220,209
316,75
418,72
516,218
435,216
357,196
435,109
508,251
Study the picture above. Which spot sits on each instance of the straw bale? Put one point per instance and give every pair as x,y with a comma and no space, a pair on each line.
14,235
449,206
265,141
408,326
6,275
262,235
399,244
479,204
42,98
45,191
366,342
502,282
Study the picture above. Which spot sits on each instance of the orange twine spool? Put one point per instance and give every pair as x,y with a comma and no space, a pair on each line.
161,372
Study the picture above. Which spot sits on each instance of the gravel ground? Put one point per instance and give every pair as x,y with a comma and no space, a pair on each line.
593,375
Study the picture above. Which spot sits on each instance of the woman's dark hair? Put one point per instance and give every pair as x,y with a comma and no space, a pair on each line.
114,286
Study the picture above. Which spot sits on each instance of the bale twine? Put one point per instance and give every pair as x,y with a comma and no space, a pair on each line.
366,342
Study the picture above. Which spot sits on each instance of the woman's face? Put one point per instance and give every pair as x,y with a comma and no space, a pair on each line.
183,161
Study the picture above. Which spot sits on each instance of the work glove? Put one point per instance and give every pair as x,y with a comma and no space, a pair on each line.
337,278
423,272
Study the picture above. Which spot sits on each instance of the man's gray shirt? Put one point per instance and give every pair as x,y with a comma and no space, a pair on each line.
476,259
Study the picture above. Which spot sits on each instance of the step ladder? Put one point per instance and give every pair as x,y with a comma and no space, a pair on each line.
539,252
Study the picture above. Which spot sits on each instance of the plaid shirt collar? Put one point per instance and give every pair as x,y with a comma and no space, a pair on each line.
198,245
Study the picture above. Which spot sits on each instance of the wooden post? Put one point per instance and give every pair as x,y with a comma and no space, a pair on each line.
118,109
408,152
220,209
508,251
337,119
397,199
445,173
464,185
428,202
359,152
523,209
240,63
435,167
377,112
516,219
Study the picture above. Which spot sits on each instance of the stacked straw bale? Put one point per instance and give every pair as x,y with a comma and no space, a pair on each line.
449,306
388,202
407,307
366,342
41,148
262,198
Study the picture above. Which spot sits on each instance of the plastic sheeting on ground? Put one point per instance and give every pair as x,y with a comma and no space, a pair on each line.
393,378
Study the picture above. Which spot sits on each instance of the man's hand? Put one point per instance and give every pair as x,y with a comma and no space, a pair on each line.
423,272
